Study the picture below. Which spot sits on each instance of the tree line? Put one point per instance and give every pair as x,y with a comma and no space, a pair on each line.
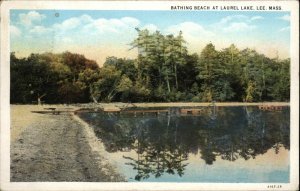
163,71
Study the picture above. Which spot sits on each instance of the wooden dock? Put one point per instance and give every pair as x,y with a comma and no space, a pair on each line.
143,112
270,108
139,112
191,111
54,112
111,109
182,111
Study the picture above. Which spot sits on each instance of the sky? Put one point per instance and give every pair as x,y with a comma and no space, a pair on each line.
98,34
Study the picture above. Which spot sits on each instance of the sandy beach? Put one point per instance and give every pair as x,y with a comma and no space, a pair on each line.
46,147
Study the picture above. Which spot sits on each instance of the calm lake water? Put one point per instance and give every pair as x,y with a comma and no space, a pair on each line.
222,144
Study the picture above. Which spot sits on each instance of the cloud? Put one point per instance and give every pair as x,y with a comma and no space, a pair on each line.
70,23
38,30
15,31
284,29
189,28
30,18
241,18
150,27
73,23
227,19
79,34
114,25
235,23
195,34
238,27
84,34
67,24
130,21
285,17
254,18
67,40
93,31
86,18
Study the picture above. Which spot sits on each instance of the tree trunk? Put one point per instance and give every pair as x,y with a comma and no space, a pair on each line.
159,71
39,99
94,99
175,73
111,95
92,96
168,83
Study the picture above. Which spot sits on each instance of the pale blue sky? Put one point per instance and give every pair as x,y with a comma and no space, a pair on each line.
99,34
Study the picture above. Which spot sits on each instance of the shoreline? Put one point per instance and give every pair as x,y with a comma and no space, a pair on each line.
154,104
97,147
191,104
168,104
115,106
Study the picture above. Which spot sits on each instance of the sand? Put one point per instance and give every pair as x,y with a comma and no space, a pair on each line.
21,118
47,147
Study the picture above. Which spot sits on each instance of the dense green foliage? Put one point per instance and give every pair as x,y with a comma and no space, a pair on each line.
55,78
162,72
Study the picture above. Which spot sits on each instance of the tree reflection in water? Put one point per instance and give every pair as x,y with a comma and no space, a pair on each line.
163,143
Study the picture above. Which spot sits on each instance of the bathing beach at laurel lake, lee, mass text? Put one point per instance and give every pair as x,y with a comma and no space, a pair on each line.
226,8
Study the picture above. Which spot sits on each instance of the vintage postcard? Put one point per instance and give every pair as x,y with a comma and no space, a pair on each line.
149,95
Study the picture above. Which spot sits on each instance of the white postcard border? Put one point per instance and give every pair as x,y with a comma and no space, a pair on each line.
291,6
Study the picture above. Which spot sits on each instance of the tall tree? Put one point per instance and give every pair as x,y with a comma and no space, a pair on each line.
208,72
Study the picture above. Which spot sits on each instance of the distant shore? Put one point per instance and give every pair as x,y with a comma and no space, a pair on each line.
182,104
179,104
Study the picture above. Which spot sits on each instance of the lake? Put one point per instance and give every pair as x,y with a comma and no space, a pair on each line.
221,144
